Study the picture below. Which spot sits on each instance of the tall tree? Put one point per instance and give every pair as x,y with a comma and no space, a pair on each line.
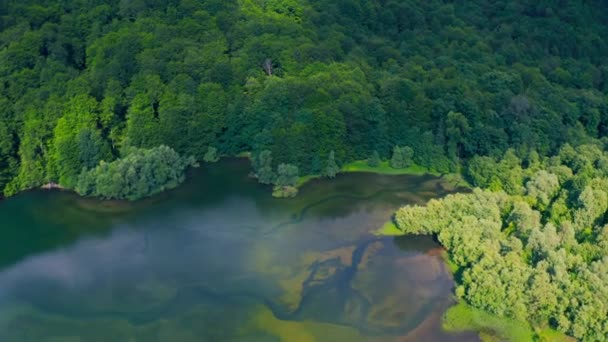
287,175
374,159
402,157
263,167
331,168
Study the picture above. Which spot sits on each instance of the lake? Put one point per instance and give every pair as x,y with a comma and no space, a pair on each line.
219,259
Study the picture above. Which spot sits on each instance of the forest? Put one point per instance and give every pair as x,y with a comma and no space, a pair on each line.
439,82
117,98
533,244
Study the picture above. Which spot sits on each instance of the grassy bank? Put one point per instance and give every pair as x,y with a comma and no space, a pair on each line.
389,229
383,168
386,169
463,317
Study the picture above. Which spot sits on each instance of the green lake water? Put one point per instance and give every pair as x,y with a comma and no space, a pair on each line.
218,259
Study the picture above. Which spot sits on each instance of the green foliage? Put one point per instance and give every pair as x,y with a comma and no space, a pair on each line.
402,157
462,317
456,132
331,168
389,229
543,187
287,175
374,159
298,78
286,181
77,143
315,166
520,255
211,155
263,167
498,87
139,174
386,169
504,175
284,191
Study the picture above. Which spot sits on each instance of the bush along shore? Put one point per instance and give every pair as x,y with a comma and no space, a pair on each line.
529,245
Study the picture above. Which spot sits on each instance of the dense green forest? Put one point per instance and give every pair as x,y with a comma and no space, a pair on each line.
82,81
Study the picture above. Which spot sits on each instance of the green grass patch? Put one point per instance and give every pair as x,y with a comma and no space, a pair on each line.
551,335
389,229
463,317
385,168
361,166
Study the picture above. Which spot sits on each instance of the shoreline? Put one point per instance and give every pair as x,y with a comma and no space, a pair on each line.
454,179
462,317
51,186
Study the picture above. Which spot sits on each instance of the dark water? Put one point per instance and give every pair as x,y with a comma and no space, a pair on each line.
220,260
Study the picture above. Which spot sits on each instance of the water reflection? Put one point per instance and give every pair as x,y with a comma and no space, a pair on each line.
219,259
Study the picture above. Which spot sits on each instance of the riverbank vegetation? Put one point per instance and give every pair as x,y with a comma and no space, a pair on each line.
462,317
139,174
533,245
95,93
440,81
384,167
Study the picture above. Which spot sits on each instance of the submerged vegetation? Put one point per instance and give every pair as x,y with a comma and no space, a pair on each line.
218,260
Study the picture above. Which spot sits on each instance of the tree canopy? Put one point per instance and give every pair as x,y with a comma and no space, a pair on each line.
139,174
452,80
536,249
112,97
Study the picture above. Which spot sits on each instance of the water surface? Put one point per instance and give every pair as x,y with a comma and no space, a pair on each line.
219,259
